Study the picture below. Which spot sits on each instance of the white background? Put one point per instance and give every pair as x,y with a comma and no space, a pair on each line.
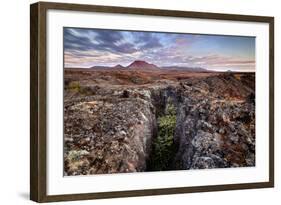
14,103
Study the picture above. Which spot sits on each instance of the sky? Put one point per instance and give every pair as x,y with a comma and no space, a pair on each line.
84,48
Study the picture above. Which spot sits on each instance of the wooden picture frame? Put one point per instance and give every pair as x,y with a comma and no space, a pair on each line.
38,100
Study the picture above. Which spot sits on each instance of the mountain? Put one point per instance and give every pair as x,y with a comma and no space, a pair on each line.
118,67
136,65
98,67
142,65
183,68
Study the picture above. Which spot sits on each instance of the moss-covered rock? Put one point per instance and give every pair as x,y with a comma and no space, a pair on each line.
163,149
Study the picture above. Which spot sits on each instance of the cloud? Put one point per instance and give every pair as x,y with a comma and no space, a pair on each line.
222,62
74,41
147,40
102,40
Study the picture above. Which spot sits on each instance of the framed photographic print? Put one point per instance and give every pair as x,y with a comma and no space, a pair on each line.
134,102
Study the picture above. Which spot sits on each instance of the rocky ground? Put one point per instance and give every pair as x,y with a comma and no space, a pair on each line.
117,122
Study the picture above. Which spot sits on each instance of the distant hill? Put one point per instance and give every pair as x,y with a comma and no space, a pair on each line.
183,68
99,67
118,67
142,65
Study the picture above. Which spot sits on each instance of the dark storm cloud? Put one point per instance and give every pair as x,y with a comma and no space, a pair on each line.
147,40
101,40
111,41
72,41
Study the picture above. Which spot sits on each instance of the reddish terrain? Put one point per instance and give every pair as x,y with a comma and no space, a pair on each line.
113,119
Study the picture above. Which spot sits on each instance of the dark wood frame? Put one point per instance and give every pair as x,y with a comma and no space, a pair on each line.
38,97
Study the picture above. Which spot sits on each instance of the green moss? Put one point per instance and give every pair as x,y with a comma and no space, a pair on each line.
163,146
74,86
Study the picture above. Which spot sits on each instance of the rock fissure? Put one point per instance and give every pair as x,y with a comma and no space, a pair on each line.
163,146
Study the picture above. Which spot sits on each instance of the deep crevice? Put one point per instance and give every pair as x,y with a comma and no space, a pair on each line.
163,146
